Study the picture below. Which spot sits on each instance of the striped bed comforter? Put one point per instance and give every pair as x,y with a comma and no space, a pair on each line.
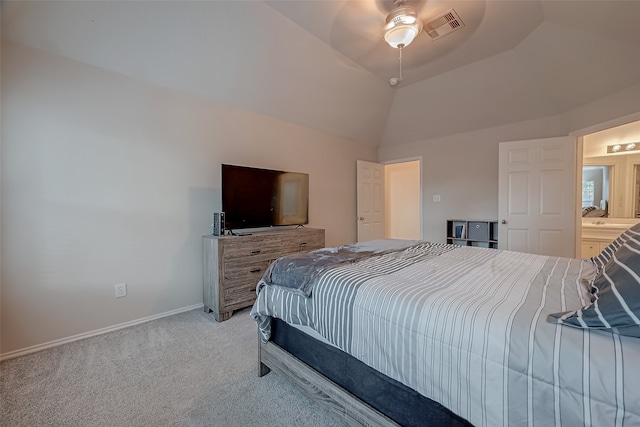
467,327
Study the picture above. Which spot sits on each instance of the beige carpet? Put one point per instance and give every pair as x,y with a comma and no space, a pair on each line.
182,370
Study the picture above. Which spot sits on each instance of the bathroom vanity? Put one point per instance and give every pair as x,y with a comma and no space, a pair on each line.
597,233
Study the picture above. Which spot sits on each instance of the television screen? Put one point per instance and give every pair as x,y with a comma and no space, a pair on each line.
253,197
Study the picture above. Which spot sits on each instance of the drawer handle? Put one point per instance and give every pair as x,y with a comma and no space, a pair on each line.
256,252
255,270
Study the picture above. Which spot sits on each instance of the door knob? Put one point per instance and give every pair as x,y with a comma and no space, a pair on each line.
504,221
360,218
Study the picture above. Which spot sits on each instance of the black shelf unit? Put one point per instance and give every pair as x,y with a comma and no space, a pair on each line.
478,233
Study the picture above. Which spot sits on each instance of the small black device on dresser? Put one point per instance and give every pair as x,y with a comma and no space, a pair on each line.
218,224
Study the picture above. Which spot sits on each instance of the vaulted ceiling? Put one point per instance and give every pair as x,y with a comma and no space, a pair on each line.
323,64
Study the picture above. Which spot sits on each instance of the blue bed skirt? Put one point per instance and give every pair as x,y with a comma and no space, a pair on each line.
397,401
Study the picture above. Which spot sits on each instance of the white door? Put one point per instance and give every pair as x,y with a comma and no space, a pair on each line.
370,185
537,196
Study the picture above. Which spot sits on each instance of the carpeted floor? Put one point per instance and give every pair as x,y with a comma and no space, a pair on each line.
182,370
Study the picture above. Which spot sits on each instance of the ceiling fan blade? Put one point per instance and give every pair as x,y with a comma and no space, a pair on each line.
357,28
360,17
386,6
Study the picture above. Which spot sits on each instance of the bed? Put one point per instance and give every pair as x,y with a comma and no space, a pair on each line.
395,332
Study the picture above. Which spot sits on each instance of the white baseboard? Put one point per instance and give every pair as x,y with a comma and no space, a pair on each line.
40,347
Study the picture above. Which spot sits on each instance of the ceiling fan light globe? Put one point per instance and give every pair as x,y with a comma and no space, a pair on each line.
400,36
402,26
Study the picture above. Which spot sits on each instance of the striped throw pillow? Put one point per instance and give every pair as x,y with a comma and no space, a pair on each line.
603,258
616,300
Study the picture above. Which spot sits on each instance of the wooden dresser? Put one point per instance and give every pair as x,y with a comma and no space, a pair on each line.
233,265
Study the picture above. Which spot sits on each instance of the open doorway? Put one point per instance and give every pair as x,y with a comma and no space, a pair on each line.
612,170
403,197
610,160
389,200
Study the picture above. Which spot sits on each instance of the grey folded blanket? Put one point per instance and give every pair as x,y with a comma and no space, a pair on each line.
299,271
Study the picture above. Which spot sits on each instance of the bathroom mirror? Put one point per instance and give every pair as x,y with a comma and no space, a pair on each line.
595,191
611,178
611,186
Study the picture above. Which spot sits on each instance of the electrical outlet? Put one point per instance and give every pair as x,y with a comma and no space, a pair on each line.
121,290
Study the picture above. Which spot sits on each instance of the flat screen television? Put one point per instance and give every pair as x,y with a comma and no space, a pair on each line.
255,198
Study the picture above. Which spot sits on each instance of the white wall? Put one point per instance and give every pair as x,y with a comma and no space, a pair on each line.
107,179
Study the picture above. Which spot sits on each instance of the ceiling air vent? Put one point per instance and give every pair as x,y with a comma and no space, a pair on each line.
444,24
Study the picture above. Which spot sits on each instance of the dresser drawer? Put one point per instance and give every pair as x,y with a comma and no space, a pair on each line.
241,271
239,249
238,295
302,242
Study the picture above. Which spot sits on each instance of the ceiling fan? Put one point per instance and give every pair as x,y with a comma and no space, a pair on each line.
355,30
403,25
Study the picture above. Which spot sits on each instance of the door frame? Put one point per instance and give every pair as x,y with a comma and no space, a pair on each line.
420,161
579,134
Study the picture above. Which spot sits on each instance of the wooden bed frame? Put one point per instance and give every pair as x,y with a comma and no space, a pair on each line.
342,404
